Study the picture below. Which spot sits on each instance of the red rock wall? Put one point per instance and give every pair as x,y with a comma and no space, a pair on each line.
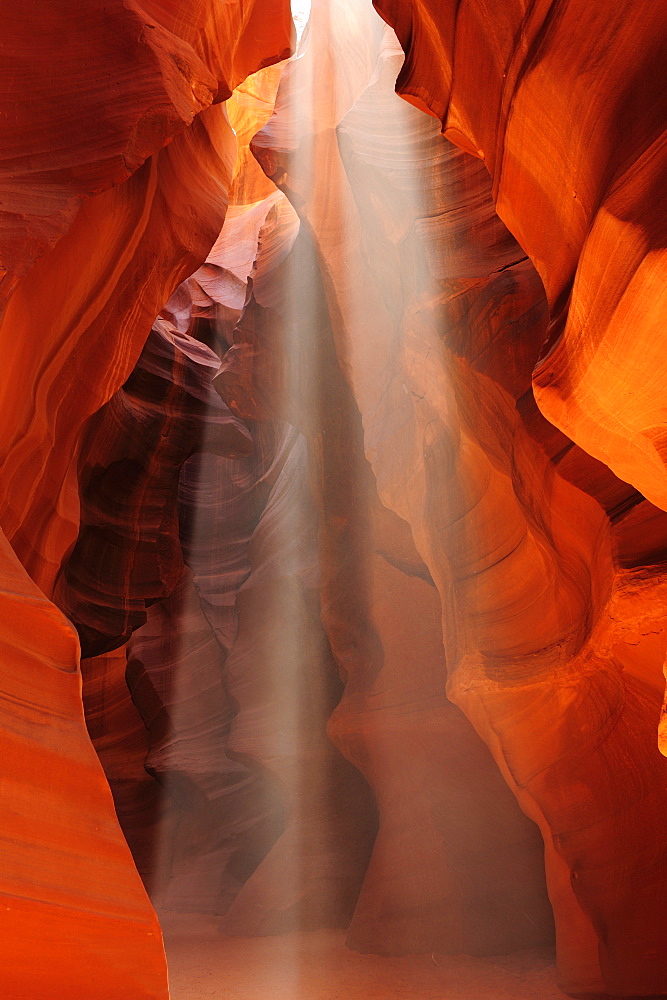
565,104
510,519
75,917
115,177
385,583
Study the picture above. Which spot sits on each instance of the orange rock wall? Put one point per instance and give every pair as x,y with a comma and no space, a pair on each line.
439,341
115,171
414,480
565,104
75,918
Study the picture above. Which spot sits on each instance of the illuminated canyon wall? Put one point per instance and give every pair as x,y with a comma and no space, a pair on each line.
334,448
117,158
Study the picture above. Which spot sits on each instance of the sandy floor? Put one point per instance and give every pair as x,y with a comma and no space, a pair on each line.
317,966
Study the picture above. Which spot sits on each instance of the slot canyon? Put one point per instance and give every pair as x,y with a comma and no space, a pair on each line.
333,499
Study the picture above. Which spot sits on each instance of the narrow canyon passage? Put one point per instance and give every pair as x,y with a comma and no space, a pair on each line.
309,778
334,510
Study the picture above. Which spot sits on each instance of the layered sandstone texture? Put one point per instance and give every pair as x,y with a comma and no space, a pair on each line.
565,104
335,450
116,160
549,567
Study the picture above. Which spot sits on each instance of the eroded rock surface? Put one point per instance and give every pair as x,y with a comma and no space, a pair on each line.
116,161
566,106
507,516
364,536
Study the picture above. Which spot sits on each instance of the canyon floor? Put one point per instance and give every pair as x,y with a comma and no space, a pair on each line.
203,965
